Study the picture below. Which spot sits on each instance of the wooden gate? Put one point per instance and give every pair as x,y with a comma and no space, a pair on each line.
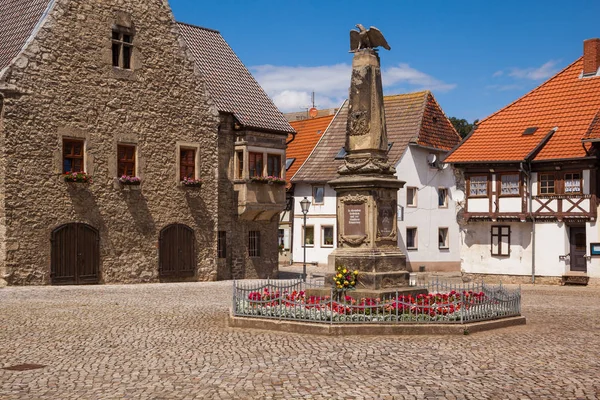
75,258
177,252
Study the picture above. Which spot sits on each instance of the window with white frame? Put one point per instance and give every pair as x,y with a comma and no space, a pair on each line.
411,238
318,194
572,182
411,196
327,236
442,197
500,240
478,185
443,238
509,185
309,236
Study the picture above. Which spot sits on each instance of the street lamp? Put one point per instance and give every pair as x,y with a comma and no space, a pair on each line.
305,204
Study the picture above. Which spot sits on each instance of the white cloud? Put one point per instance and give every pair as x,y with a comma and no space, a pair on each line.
291,87
504,88
498,73
536,74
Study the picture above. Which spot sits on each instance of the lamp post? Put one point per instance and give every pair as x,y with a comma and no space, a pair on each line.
305,204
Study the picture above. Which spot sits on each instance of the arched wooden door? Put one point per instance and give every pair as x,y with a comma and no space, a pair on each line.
75,258
177,252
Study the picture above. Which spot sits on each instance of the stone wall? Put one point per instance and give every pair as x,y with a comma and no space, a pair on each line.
238,264
67,87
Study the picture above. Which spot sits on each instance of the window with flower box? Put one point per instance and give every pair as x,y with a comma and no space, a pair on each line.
187,163
255,164
126,160
547,183
478,186
73,152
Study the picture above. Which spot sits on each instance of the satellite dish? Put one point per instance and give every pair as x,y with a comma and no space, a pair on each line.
431,158
313,112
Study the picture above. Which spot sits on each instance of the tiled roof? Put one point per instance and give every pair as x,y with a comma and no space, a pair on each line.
231,85
409,119
18,18
566,101
308,133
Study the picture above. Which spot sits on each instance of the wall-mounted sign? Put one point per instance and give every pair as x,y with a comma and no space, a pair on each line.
595,249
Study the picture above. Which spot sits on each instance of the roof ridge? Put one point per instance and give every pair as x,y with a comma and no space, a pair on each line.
407,94
320,139
198,26
531,91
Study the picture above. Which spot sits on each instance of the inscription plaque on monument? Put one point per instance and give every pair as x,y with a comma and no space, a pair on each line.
385,220
354,220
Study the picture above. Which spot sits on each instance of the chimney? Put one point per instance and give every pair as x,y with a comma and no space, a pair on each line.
591,56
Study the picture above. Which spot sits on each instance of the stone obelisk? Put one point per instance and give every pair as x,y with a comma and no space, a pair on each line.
367,189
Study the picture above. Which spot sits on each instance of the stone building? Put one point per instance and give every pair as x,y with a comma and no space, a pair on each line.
109,89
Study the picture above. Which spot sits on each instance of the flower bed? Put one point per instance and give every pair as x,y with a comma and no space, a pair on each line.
271,180
453,307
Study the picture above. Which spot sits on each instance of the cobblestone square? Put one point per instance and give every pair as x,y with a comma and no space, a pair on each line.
171,341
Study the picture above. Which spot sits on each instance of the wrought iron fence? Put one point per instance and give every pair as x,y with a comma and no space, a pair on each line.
444,303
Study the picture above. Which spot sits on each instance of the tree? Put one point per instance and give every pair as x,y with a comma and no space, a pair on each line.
462,126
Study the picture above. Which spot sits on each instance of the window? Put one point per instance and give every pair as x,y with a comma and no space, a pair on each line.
478,186
327,236
187,163
310,236
411,197
255,162
289,162
254,243
318,194
442,197
126,160
500,240
72,155
281,239
509,185
222,244
572,182
341,154
122,47
411,238
547,184
240,165
274,165
443,238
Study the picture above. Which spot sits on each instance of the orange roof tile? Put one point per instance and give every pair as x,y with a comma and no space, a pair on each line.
308,134
566,101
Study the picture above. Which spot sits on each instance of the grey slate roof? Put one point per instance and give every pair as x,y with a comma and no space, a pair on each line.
18,18
407,120
231,85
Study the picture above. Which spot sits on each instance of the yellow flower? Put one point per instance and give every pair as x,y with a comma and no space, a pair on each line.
352,283
345,270
339,275
356,272
346,283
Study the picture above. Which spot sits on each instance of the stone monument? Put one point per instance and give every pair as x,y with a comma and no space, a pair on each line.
367,189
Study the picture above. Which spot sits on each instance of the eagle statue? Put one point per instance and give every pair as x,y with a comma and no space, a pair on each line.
367,39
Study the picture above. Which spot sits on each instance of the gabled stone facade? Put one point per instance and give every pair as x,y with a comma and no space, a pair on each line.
64,85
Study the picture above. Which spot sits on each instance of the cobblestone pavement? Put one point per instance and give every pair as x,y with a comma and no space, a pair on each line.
170,341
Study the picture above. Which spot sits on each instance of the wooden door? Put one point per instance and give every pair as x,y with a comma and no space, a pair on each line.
75,258
578,249
177,255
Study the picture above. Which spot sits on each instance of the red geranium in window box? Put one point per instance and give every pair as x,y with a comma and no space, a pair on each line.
77,177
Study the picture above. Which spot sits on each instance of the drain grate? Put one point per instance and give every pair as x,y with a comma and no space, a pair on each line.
24,367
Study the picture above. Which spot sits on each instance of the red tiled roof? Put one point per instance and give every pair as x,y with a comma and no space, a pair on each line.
230,84
566,101
308,133
409,119
18,18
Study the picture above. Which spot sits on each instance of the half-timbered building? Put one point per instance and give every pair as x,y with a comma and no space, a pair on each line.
531,182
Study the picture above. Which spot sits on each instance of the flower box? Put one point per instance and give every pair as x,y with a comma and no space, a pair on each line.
191,183
77,177
130,180
268,180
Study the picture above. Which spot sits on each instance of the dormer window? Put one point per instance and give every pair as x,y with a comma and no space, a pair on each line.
122,47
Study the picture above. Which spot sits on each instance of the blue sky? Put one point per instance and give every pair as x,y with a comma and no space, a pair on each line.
476,56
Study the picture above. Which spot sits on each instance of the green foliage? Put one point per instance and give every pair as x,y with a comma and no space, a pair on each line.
462,126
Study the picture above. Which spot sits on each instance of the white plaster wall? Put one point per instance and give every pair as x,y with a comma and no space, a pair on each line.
510,204
476,249
551,241
318,216
593,236
478,205
427,217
